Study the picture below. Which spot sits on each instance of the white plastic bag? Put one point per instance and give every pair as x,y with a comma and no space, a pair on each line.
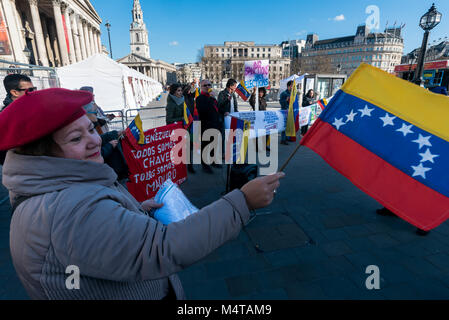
176,205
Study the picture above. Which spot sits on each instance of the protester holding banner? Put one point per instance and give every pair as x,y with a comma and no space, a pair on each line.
175,104
284,99
209,115
309,99
71,214
262,100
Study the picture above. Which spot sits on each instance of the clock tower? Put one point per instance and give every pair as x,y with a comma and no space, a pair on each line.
139,33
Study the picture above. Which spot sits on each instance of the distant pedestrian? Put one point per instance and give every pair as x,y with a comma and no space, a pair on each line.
175,104
285,103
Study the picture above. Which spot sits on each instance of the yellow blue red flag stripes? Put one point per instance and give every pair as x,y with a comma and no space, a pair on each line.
188,118
391,139
242,91
135,129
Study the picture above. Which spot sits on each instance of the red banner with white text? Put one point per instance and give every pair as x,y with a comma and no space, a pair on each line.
150,164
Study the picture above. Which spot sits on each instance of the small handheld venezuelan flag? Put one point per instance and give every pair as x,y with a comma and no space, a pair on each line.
136,129
242,91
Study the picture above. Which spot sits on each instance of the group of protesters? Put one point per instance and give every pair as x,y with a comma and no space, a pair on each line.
69,211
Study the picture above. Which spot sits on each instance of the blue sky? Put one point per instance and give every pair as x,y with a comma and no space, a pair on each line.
179,28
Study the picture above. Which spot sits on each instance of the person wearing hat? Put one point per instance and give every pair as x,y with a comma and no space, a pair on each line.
69,212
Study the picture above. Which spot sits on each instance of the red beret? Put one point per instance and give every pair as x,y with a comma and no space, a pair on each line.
39,113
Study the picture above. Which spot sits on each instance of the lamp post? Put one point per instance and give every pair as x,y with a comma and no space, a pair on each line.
428,21
108,26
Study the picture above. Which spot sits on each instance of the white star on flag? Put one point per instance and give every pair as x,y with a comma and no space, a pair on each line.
366,112
405,129
420,171
351,116
388,121
423,141
428,156
338,123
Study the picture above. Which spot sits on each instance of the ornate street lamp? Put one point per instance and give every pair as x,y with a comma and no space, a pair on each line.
108,26
428,21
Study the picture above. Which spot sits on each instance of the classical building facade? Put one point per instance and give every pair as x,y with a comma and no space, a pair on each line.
221,62
139,58
50,33
343,55
188,72
436,52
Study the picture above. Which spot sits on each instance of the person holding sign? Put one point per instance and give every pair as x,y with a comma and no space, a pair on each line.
71,219
262,100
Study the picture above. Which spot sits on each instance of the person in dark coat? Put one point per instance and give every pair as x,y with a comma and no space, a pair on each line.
284,100
15,86
262,100
175,104
207,107
112,153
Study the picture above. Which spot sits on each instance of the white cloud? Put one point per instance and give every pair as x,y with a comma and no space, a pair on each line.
174,43
299,33
341,17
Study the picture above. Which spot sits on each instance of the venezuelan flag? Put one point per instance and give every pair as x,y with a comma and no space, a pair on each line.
292,125
391,139
135,129
188,118
322,103
239,142
242,91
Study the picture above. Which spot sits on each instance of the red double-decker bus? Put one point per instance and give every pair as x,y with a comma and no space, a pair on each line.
436,73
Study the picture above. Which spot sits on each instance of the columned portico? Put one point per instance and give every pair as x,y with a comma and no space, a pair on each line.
60,32
37,26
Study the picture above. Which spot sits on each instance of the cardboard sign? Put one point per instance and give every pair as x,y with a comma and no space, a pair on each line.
150,164
257,73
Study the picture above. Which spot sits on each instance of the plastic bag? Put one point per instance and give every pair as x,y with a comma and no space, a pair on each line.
176,205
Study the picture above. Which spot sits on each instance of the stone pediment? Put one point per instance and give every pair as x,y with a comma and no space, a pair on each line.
134,58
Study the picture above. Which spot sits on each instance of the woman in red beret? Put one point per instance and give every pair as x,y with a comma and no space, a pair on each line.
71,215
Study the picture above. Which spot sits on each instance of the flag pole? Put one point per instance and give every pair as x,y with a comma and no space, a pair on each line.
290,158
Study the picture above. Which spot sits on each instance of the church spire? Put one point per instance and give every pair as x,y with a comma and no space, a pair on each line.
139,32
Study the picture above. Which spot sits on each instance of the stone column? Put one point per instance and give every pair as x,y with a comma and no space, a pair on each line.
47,40
38,33
79,23
91,42
65,11
76,36
86,39
60,32
100,47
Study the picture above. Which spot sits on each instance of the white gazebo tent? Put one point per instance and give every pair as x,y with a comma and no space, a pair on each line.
116,87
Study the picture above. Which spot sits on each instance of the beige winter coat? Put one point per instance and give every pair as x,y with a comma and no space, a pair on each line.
79,216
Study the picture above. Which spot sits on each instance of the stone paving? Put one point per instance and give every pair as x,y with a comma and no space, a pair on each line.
344,236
